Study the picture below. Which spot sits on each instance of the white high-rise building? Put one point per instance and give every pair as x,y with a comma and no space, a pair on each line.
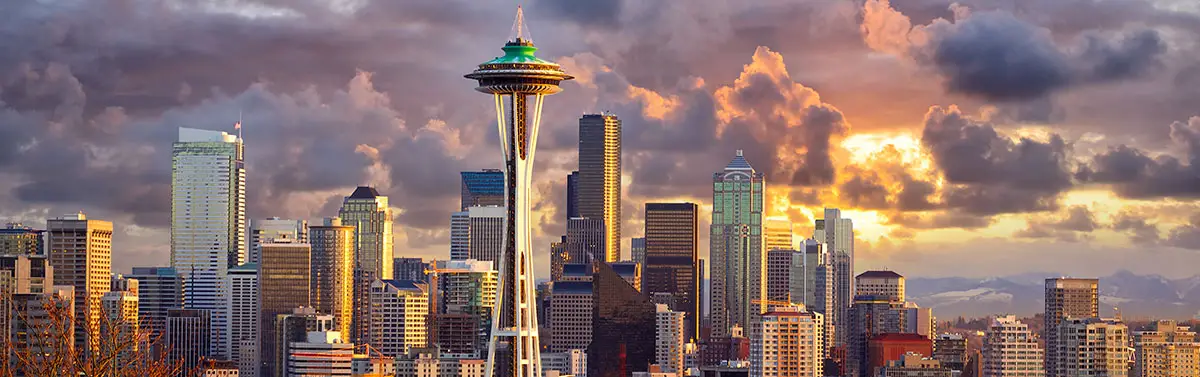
669,341
208,222
273,228
486,233
398,310
323,353
838,233
460,235
243,318
1010,350
787,342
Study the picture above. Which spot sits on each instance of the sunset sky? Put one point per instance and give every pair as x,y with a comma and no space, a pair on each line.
970,138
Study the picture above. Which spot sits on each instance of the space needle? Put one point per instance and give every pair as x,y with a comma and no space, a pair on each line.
513,80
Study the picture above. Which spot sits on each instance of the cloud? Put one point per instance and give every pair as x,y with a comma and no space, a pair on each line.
991,173
602,13
1185,236
1075,225
1140,231
1134,174
999,57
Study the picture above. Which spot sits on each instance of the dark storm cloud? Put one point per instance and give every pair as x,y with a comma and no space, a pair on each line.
989,172
1134,174
997,56
1185,236
602,13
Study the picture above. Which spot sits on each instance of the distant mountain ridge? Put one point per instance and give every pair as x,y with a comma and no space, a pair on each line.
1137,296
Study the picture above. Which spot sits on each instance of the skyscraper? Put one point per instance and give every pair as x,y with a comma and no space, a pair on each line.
30,276
672,245
777,234
1066,297
838,234
369,214
482,188
159,290
468,288
398,311
669,342
600,177
623,328
779,275
1166,349
17,239
460,235
787,342
571,307
736,246
244,319
1092,347
518,75
1010,349
637,250
81,252
187,337
871,316
951,351
332,277
804,281
414,269
573,195
284,284
585,240
266,230
208,222
486,229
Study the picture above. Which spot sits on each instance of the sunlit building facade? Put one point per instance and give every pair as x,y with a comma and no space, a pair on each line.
332,276
599,187
81,252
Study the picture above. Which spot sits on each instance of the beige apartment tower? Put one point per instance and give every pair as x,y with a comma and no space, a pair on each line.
1066,298
1011,350
1092,347
787,342
81,252
1166,350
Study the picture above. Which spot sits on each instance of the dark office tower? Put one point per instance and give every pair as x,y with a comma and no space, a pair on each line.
558,258
779,275
482,188
411,269
869,317
672,258
951,351
623,326
283,286
332,278
600,177
573,195
159,290
585,240
187,338
1066,297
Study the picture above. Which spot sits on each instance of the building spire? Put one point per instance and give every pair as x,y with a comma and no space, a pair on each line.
520,32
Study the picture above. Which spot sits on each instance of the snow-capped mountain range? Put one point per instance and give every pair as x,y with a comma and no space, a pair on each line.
1137,296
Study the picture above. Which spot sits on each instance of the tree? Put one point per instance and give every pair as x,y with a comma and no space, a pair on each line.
41,342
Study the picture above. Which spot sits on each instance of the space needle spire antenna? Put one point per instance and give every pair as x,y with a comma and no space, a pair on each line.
513,80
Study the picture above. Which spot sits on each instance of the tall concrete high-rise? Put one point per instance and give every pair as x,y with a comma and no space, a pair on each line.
414,269
21,275
460,235
787,342
571,307
332,276
573,195
482,188
518,75
1166,349
208,222
880,283
838,234
244,318
187,337
736,246
808,258
779,275
284,284
1010,349
467,288
272,228
600,177
1092,347
1066,298
869,317
81,252
159,290
368,212
398,312
672,254
669,340
486,240
17,239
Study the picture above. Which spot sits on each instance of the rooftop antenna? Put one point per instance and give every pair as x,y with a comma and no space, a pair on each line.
520,32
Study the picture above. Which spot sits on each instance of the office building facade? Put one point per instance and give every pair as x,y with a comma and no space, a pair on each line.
486,229
271,229
244,320
670,340
624,325
17,239
738,264
332,278
159,290
187,337
284,283
322,353
672,246
571,306
414,269
208,222
787,342
1092,347
1066,298
599,187
482,188
81,252
398,313
838,234
880,283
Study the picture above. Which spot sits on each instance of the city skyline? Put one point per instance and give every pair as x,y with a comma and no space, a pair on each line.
653,107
